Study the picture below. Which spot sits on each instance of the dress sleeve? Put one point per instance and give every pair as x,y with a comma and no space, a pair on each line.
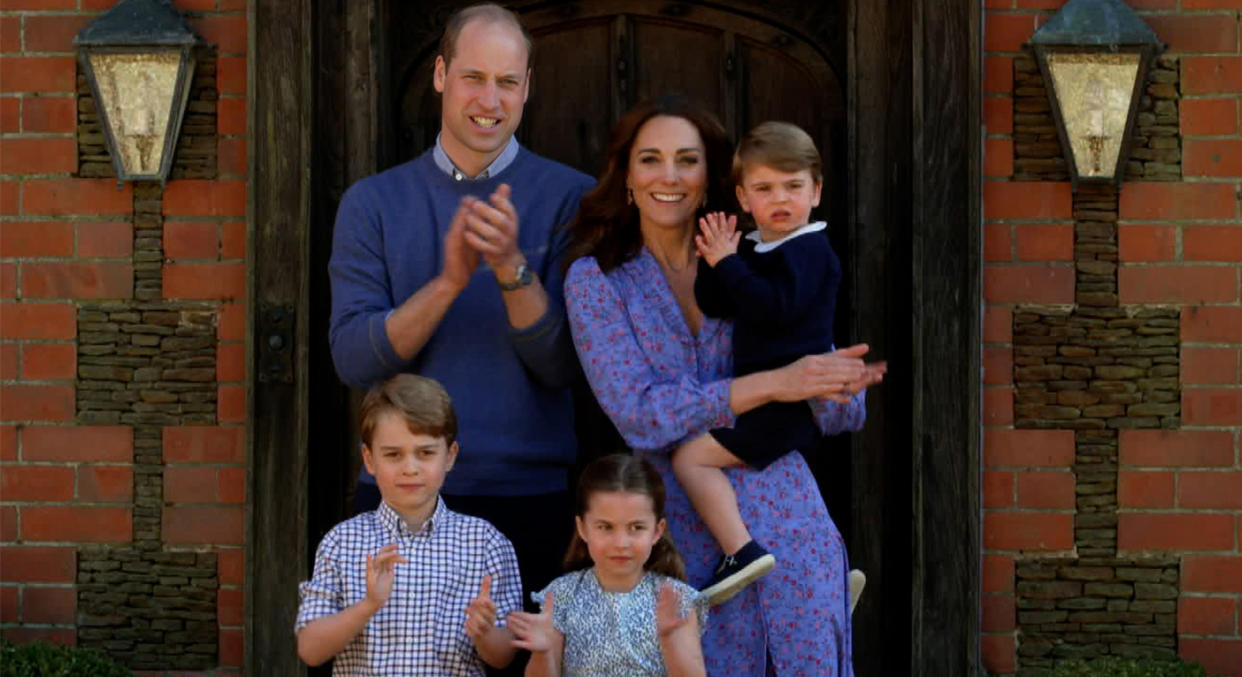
692,602
833,417
651,410
324,594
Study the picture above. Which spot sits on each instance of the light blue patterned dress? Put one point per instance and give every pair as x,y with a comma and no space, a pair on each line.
613,634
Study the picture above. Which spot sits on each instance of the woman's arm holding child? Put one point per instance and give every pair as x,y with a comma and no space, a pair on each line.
536,634
494,643
325,637
679,636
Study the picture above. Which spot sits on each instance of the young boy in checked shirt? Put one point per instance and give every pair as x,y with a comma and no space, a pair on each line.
378,618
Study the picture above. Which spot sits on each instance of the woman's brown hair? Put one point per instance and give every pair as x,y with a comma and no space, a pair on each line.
631,474
607,224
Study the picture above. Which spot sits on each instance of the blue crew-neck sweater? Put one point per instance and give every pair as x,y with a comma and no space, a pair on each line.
509,387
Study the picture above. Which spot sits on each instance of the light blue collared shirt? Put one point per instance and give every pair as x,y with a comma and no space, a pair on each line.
503,160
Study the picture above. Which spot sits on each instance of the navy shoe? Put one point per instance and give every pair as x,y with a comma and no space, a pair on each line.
737,571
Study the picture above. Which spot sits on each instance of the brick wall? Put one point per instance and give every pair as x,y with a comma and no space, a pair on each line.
1112,393
122,329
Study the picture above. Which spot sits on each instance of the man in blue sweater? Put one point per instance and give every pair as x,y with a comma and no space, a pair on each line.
450,266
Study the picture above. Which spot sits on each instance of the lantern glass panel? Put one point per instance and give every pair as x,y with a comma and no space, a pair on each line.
137,92
1094,91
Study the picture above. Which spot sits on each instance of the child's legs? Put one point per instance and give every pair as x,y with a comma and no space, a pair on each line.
698,466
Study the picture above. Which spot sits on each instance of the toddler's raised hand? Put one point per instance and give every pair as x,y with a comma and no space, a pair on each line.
668,611
481,612
718,237
381,573
534,632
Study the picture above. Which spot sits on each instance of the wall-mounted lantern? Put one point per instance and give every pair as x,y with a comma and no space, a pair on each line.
139,59
1094,56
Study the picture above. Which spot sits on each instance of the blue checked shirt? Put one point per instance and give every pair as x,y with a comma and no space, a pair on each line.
421,630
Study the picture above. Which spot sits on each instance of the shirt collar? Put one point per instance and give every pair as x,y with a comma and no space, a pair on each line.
397,527
498,165
761,246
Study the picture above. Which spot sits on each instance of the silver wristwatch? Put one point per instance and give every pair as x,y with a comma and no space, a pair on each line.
521,278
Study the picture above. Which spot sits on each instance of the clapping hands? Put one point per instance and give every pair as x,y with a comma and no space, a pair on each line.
381,573
534,632
481,612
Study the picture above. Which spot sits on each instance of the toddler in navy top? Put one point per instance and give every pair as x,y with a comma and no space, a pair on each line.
779,284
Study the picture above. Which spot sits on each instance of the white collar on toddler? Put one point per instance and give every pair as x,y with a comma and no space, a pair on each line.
761,246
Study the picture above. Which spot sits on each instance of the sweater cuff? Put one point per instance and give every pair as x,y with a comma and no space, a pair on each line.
381,347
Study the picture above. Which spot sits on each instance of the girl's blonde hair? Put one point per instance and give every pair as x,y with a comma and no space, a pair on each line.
632,474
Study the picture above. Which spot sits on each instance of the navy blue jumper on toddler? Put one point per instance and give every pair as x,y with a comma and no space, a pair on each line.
781,296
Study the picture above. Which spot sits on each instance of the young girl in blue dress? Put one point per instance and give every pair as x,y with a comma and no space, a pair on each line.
624,608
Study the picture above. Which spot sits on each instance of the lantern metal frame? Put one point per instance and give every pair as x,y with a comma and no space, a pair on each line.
141,27
1095,27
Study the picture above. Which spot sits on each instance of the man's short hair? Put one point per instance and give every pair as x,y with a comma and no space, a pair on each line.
421,402
780,145
489,12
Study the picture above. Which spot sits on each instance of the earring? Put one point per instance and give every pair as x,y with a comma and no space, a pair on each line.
629,195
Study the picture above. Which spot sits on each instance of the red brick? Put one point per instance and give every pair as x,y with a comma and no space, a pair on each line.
1212,243
55,32
37,321
998,653
231,565
1176,448
1212,406
1212,324
49,361
231,116
999,613
231,156
1177,284
1028,531
997,324
36,483
1049,490
205,281
1212,157
1007,32
997,407
231,325
232,647
8,523
1028,448
231,75
8,361
78,280
232,484
1175,201
105,483
58,605
1218,656
36,239
49,114
1212,573
1028,284
230,362
231,5
190,484
79,524
998,491
997,242
1027,200
8,445
8,280
1176,531
1201,33
1209,366
10,110
192,240
204,444
21,402
998,157
1146,243
231,607
197,524
1222,490
1211,75
1144,489
997,366
998,74
231,404
37,74
1211,4
37,564
1208,117
105,240
1045,242
1152,4
233,240
9,603
998,573
200,197
1206,616
10,196
10,34
25,634
227,31
78,443
76,196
